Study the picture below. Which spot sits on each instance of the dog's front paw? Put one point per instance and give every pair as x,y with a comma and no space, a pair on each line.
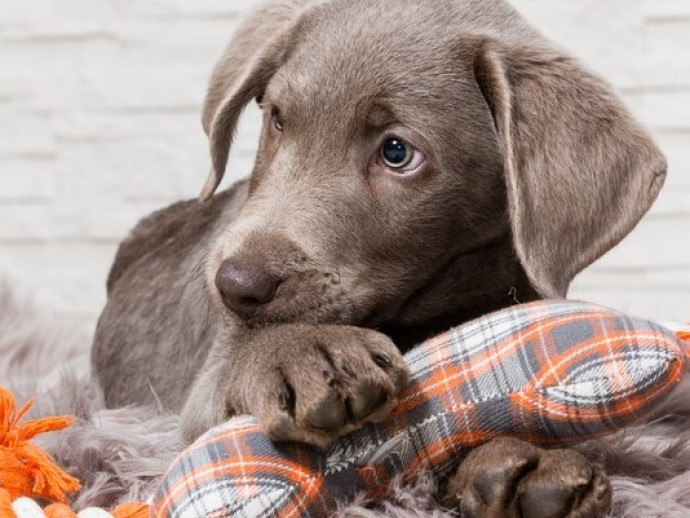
508,478
313,384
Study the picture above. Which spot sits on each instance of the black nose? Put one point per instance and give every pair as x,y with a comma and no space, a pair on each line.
244,286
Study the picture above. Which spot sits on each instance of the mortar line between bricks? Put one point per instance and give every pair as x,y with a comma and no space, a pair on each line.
42,38
61,241
667,19
655,89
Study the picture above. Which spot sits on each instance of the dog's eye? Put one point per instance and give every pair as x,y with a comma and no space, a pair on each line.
277,118
399,155
395,153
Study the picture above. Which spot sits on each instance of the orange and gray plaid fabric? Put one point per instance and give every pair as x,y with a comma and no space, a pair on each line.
549,372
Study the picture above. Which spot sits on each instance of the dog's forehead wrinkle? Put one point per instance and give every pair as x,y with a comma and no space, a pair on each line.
379,114
373,108
370,92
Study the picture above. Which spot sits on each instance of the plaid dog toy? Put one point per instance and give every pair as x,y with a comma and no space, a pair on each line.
549,372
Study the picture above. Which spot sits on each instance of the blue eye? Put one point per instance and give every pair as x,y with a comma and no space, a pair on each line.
396,153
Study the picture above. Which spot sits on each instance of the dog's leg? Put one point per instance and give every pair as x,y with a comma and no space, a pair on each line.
304,383
508,478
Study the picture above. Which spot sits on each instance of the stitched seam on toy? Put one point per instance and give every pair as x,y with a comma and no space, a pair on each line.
663,356
668,358
577,373
617,394
448,412
536,404
454,409
220,485
665,364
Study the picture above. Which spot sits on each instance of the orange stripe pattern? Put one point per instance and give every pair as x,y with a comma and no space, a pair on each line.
553,372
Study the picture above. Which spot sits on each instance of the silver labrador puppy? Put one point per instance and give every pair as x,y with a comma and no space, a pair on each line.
421,163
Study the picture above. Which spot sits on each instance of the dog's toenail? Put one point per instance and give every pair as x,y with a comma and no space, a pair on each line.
328,414
347,369
548,500
367,399
328,376
286,400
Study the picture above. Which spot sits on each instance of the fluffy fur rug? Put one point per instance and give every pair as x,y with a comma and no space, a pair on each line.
120,454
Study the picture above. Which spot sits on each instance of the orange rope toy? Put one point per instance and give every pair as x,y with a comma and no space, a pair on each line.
28,472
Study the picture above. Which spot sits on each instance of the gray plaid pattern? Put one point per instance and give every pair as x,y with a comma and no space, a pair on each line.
550,372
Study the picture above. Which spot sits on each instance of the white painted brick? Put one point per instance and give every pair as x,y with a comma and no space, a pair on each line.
102,11
39,57
26,180
121,88
26,135
113,155
49,33
656,243
662,110
75,273
211,8
672,202
122,169
190,41
655,10
603,34
655,303
184,8
100,220
666,61
597,278
18,94
83,126
144,8
676,146
26,222
13,13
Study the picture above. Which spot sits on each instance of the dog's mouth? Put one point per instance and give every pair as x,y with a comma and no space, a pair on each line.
335,309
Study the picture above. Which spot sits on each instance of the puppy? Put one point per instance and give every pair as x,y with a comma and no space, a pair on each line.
421,163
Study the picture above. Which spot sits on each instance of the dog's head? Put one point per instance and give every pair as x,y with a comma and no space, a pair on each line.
402,144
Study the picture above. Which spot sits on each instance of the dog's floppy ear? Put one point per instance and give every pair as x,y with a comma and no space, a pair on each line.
580,171
254,54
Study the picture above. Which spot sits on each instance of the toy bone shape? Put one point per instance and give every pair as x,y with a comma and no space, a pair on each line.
551,372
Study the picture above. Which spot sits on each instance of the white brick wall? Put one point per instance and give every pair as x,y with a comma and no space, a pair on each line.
99,104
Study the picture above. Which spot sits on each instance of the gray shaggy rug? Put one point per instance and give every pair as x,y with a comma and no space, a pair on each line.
120,454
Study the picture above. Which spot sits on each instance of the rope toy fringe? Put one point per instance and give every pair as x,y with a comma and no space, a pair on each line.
28,472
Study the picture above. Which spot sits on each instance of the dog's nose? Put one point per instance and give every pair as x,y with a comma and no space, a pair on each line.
245,286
